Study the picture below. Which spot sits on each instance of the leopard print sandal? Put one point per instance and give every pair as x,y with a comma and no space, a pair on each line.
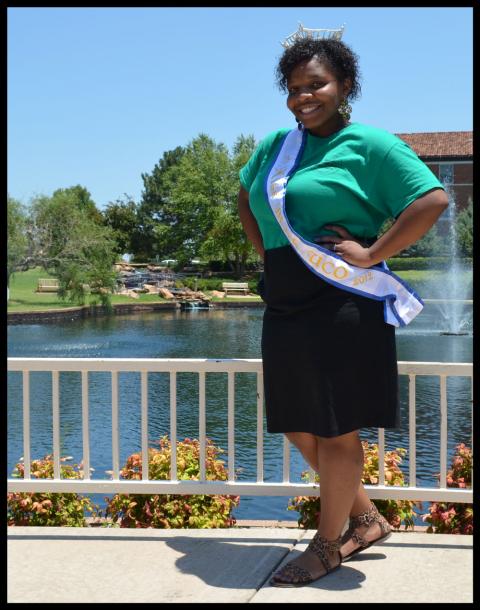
368,518
292,575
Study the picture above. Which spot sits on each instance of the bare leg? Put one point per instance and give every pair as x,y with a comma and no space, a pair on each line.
369,533
340,466
308,445
361,503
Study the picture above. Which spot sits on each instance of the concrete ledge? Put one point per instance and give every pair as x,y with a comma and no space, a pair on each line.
234,565
74,313
119,565
85,311
237,304
270,523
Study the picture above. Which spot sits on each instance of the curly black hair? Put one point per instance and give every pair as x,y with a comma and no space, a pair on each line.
340,59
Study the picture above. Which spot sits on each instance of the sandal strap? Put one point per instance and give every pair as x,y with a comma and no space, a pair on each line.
355,536
369,517
323,547
366,518
293,573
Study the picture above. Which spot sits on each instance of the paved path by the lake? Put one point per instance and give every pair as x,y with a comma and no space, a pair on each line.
111,565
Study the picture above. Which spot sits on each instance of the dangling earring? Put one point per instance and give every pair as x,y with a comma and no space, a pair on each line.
344,110
299,124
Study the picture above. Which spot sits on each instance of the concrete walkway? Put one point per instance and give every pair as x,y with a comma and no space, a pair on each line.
105,565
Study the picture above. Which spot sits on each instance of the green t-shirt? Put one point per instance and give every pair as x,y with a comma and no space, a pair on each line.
358,177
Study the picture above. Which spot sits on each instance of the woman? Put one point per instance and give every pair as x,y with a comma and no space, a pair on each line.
329,359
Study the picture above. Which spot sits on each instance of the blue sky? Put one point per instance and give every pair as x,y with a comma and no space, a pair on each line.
97,95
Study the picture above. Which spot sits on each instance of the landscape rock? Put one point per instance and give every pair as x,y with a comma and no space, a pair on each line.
151,289
166,294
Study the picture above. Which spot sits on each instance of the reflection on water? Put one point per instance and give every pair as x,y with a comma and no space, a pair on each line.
206,334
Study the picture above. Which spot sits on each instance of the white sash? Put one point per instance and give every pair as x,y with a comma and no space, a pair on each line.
401,303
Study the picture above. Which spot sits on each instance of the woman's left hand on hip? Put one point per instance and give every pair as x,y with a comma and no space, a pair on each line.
345,245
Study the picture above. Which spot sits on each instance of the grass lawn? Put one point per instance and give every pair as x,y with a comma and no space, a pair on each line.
23,295
24,298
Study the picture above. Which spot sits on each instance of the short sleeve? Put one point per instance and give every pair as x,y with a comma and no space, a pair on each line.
402,179
250,169
261,154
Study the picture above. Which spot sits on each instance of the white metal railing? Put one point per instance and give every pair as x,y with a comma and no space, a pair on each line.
202,366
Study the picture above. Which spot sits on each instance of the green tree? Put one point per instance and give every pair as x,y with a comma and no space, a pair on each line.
121,217
82,200
227,240
154,216
67,241
464,227
189,204
198,186
17,243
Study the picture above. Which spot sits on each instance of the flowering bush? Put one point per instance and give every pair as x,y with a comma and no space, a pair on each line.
53,509
450,517
394,511
174,511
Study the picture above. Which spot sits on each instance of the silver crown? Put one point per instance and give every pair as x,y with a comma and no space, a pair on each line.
312,33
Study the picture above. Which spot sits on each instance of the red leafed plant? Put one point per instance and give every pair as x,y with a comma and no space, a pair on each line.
170,510
454,517
46,508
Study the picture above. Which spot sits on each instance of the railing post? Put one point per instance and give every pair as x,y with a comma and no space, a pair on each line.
471,420
26,423
56,424
286,460
412,430
381,456
260,427
144,416
173,425
443,431
202,423
85,427
115,457
231,426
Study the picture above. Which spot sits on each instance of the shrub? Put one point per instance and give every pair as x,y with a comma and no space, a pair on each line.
464,227
452,517
421,262
168,510
395,512
201,283
51,509
214,283
253,284
430,244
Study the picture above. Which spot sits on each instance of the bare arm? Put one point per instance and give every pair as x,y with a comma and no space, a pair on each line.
249,223
409,227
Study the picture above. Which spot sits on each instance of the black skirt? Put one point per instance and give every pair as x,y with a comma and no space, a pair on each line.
329,358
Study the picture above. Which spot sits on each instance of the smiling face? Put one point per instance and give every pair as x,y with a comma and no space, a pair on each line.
314,95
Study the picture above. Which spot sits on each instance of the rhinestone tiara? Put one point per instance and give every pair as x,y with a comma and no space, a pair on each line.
312,33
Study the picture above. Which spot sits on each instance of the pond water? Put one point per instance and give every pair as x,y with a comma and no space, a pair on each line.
233,333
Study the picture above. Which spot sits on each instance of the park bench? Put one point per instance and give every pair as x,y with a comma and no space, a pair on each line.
235,287
47,285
